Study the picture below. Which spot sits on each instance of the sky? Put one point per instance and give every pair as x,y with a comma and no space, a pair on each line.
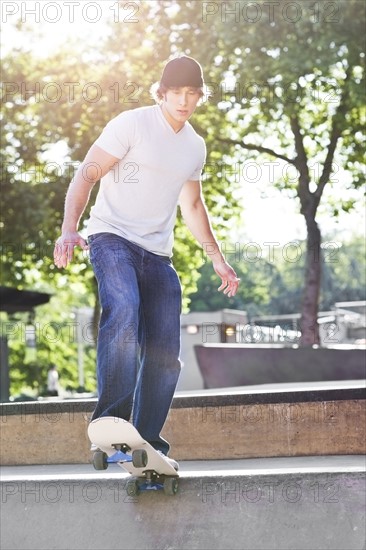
54,22
267,214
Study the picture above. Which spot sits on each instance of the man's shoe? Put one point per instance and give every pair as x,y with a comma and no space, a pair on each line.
171,461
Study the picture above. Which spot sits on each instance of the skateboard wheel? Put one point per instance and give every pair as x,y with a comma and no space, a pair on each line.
132,488
171,486
100,460
139,458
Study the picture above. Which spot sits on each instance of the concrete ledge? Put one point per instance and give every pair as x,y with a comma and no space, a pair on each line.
233,506
298,420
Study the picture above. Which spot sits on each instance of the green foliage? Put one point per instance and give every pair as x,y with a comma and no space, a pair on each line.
55,325
344,272
267,78
271,284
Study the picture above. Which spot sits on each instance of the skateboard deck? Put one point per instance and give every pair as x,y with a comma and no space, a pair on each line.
119,442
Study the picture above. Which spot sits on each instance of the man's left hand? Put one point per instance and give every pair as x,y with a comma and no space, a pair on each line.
229,279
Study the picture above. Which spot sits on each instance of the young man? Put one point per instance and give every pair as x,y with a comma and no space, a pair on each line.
150,159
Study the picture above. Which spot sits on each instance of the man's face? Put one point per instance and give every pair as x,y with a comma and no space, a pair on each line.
180,103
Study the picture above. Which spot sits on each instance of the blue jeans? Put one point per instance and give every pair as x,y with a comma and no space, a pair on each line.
138,347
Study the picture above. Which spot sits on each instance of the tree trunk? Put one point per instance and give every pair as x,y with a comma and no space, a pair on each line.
309,203
309,310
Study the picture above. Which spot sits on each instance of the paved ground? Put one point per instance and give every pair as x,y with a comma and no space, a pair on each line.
283,503
283,387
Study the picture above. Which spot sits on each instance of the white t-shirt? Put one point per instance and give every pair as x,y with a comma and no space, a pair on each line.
138,198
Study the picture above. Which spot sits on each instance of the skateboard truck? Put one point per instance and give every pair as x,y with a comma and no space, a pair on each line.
119,456
152,482
138,457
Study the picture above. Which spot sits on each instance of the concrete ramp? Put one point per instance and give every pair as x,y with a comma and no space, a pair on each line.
283,503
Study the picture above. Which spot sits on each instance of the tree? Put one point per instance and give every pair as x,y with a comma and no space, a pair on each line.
297,79
64,100
287,81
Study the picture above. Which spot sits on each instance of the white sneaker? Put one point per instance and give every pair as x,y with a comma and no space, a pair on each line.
171,461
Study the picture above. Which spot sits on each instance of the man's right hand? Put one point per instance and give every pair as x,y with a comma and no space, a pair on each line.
96,164
64,247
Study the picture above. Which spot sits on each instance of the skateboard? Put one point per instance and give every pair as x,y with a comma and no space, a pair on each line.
119,442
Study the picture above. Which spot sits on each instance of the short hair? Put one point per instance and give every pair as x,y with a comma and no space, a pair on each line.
158,90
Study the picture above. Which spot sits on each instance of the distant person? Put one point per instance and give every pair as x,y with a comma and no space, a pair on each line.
52,381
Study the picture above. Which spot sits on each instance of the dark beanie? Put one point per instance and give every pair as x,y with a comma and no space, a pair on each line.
182,71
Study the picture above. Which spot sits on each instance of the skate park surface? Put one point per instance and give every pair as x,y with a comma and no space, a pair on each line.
278,502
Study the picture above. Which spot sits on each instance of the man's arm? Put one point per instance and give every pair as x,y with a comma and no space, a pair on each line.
196,217
96,164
